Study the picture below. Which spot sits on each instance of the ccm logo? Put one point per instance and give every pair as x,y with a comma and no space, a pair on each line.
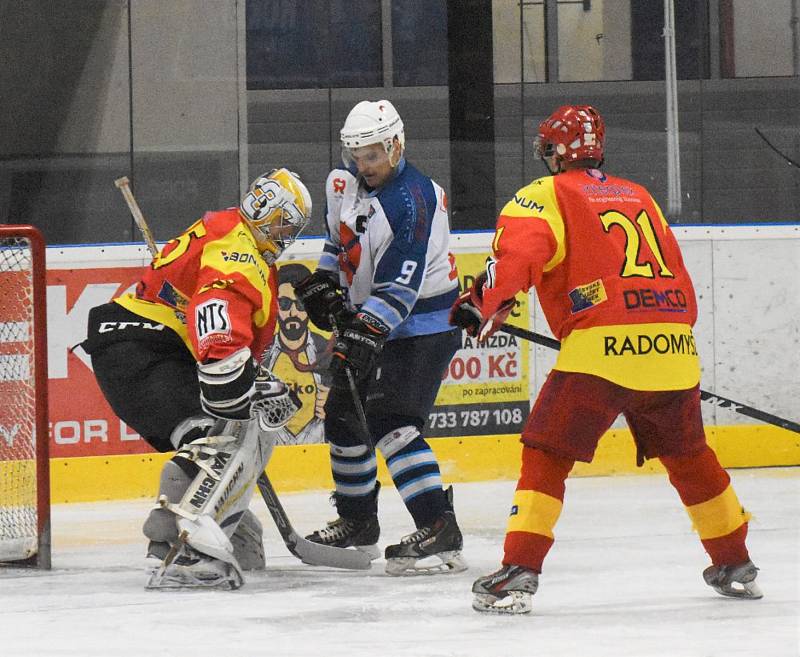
107,327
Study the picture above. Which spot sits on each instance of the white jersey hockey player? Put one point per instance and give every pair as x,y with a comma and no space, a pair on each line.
385,282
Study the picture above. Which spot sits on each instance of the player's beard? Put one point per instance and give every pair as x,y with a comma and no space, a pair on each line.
293,329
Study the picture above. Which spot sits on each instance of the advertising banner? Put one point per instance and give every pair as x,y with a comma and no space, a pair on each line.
484,391
81,421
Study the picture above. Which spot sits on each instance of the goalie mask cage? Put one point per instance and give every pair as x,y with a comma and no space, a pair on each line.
24,465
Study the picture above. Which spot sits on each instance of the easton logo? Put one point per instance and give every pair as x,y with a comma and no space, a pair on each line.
208,484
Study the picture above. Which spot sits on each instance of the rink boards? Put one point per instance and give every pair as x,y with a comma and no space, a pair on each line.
306,467
745,279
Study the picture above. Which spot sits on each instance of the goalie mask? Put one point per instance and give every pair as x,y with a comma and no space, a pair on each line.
573,133
277,208
373,122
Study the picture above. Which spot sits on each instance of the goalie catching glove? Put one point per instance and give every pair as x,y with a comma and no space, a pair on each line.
467,314
359,342
236,389
322,298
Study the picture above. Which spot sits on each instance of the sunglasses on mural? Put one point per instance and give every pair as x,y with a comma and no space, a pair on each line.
285,303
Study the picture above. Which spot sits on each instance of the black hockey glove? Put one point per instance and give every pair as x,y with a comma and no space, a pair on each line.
322,298
359,342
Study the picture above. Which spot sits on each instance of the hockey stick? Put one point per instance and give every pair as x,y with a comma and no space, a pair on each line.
124,185
351,382
362,416
705,395
314,554
789,160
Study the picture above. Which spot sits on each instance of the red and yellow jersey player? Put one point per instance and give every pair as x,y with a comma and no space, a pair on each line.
613,287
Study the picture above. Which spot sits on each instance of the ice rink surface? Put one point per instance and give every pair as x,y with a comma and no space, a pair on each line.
623,580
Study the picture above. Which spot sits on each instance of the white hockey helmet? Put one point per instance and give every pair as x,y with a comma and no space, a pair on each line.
373,122
277,208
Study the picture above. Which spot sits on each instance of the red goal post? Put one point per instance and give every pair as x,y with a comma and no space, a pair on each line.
24,435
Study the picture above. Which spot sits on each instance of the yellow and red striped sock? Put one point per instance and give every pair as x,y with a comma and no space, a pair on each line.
716,513
536,508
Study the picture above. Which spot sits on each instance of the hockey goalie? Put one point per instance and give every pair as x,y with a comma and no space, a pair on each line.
176,360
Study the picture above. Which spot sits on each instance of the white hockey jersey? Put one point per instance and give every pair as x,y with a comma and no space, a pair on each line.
389,247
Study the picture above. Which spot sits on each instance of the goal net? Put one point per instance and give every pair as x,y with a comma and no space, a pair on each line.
24,467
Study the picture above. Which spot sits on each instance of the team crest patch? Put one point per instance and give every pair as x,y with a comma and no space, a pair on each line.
586,296
212,319
172,296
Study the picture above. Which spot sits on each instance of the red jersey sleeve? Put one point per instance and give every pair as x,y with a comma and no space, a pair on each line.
527,242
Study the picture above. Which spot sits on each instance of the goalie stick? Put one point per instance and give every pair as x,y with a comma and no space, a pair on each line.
314,554
124,186
308,552
705,395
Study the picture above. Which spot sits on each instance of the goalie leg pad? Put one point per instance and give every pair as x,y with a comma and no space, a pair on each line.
211,507
160,526
248,542
229,466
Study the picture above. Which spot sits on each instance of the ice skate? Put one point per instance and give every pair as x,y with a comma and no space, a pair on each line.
432,549
734,581
186,568
362,534
506,591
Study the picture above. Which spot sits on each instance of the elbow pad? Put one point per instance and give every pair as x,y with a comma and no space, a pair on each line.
227,385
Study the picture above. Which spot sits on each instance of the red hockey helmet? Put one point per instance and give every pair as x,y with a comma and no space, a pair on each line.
573,133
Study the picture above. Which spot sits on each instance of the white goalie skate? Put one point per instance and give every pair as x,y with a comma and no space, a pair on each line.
186,568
